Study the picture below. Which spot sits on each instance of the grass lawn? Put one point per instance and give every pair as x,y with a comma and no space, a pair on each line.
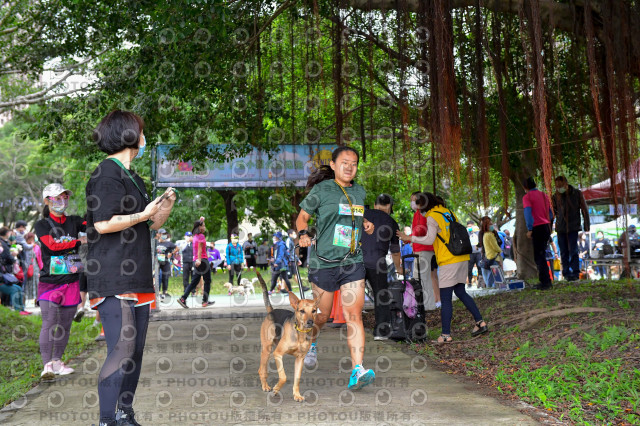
221,277
547,349
20,363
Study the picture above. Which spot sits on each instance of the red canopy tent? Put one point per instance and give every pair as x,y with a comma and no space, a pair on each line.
626,190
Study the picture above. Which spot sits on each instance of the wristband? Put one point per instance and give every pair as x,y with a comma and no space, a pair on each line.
303,232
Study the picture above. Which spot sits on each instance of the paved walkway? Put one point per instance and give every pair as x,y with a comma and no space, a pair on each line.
200,367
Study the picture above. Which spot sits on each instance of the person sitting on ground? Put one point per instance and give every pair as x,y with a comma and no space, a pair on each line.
9,285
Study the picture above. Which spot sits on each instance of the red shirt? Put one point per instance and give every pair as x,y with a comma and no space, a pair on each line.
419,229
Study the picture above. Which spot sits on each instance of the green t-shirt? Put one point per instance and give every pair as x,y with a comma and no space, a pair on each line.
328,204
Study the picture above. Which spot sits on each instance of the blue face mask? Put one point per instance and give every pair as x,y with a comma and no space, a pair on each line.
141,149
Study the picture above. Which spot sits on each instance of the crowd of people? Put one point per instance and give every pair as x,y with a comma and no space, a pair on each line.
107,257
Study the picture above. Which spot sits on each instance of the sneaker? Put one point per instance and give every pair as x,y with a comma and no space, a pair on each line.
162,296
100,337
206,304
79,315
47,374
183,303
126,419
311,359
24,313
60,369
360,378
270,293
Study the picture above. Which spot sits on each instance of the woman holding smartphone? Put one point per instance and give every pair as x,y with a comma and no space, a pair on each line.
120,217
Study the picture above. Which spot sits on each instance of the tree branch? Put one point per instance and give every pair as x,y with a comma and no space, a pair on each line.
31,101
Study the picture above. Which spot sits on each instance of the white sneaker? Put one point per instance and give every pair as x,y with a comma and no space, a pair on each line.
311,359
60,369
380,338
47,374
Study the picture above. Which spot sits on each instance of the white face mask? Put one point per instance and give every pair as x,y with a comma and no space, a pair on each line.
414,206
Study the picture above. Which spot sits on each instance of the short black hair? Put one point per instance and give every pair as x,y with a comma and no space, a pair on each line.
384,200
21,223
561,179
4,231
117,131
529,183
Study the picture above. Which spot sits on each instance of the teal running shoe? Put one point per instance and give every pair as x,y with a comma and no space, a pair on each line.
360,377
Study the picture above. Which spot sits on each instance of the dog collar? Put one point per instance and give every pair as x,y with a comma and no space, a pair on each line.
302,330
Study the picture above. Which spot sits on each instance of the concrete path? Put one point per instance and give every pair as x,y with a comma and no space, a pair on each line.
200,367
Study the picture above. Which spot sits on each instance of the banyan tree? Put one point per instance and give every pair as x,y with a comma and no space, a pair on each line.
517,87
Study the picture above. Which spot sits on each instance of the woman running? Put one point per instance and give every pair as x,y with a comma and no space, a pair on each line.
336,262
202,265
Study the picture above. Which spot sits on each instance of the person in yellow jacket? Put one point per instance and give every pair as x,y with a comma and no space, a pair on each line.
452,269
491,251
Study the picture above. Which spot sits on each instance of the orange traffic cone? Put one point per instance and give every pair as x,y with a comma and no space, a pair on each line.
336,311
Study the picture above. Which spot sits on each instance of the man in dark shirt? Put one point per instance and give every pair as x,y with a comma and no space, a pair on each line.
187,260
374,249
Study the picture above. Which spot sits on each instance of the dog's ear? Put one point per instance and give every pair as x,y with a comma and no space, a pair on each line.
293,300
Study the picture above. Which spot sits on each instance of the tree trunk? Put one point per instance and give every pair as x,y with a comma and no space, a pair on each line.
231,212
523,246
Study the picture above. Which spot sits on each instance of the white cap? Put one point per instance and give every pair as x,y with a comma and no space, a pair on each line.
53,190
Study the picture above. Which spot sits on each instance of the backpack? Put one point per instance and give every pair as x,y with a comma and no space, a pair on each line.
459,243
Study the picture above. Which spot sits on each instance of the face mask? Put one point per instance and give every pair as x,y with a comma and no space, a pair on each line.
492,228
234,241
562,190
600,236
292,236
275,241
59,206
414,206
141,149
12,238
470,229
633,231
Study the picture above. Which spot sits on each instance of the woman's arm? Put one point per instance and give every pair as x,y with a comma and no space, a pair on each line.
432,233
164,211
302,224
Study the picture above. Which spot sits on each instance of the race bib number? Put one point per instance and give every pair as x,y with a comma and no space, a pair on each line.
58,266
345,209
342,235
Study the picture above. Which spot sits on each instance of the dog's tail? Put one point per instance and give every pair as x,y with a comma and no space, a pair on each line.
265,293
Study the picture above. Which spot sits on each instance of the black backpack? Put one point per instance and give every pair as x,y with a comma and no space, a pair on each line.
459,243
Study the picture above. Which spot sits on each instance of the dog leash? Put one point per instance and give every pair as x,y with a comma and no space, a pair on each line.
295,264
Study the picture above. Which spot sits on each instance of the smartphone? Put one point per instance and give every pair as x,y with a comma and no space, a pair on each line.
164,196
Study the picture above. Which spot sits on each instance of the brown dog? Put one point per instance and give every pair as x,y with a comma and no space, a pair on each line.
290,333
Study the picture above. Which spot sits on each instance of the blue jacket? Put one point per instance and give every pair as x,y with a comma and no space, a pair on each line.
280,255
235,256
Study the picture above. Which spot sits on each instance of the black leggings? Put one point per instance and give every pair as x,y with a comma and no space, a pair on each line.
282,274
125,330
166,273
237,268
204,272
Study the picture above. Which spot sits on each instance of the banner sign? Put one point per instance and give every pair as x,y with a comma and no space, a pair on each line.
623,209
288,165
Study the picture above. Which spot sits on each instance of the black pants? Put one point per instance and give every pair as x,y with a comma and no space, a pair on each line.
166,273
237,269
282,274
381,300
125,330
204,272
474,259
187,273
540,235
